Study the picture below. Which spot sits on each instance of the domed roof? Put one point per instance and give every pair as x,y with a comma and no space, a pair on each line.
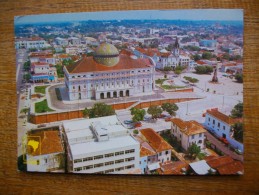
106,54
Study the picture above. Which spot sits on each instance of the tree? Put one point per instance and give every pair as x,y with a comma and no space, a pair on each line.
154,111
168,68
27,66
239,78
237,111
190,79
206,55
138,114
67,62
27,77
204,69
196,57
238,131
101,109
25,110
171,108
86,113
193,150
60,71
135,131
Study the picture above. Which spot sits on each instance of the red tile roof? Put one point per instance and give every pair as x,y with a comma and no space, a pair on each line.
188,127
155,140
39,64
220,116
88,64
225,165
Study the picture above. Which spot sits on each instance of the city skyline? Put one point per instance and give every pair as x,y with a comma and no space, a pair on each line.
192,15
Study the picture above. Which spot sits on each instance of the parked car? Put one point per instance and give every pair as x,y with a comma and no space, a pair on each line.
127,122
138,124
224,140
238,151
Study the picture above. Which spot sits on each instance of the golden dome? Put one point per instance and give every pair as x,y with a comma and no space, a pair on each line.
106,54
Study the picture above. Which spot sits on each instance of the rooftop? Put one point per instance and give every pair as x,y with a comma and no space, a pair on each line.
48,142
220,116
88,64
155,140
188,127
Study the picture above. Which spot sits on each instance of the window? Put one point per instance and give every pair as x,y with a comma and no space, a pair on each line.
200,141
129,159
200,135
224,128
129,167
129,151
213,122
119,153
209,118
109,155
119,169
98,157
88,158
109,171
78,169
192,136
160,154
119,161
218,124
38,162
166,152
98,165
109,163
88,167
77,160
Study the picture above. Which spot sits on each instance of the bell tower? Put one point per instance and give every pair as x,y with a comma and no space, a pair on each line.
176,48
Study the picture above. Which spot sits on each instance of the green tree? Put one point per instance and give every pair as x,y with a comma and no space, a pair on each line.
60,71
171,108
138,114
190,79
196,57
206,55
193,150
27,66
204,69
154,111
168,68
25,110
238,131
237,111
101,109
135,131
67,62
239,78
86,113
27,77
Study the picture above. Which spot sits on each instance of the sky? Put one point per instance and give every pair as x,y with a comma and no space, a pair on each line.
195,14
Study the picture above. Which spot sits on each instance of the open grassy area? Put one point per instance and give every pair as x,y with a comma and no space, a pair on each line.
160,81
167,87
41,107
40,89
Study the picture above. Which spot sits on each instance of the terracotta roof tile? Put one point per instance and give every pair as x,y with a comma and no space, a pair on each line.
39,64
188,127
50,142
155,140
219,115
88,64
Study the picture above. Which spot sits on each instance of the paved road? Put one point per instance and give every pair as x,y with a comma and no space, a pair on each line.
221,146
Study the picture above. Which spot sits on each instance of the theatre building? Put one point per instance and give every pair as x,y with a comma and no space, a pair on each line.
109,74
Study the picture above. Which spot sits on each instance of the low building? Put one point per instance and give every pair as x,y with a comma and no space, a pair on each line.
74,41
30,43
188,133
100,145
225,165
154,150
45,152
61,41
42,72
221,126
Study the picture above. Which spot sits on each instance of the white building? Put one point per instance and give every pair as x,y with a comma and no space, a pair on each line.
42,158
100,145
154,150
61,41
109,74
221,125
188,133
30,43
74,41
42,72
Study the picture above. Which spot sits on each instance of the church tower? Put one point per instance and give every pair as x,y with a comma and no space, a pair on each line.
176,48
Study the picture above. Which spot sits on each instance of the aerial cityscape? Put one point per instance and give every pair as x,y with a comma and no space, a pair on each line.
131,92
